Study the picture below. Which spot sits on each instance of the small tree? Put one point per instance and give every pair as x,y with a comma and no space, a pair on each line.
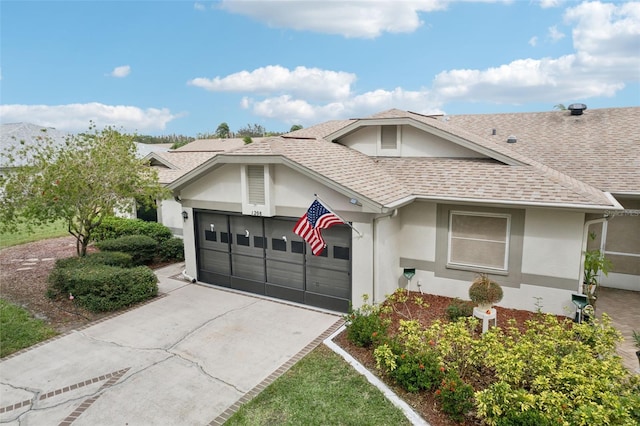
90,176
222,131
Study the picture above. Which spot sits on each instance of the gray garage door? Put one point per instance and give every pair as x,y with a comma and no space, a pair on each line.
264,256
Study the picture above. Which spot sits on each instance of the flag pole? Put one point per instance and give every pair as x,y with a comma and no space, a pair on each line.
324,203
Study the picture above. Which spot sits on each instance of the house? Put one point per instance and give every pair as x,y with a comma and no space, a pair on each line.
431,202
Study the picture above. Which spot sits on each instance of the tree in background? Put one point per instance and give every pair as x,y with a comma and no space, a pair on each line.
90,176
295,127
222,131
251,130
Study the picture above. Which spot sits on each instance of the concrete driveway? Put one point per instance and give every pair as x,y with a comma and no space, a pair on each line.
191,357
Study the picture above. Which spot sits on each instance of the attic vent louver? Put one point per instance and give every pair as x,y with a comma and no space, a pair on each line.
512,139
577,109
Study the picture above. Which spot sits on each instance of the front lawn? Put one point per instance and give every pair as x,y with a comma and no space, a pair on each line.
18,329
52,230
321,389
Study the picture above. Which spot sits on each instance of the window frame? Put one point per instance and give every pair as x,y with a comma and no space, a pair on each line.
471,266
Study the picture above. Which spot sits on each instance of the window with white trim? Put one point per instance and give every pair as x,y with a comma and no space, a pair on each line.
479,240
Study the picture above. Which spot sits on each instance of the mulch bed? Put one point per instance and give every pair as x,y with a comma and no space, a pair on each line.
434,307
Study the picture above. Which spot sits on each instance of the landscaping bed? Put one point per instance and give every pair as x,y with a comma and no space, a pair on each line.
432,308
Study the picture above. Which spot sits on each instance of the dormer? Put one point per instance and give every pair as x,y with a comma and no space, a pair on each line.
402,137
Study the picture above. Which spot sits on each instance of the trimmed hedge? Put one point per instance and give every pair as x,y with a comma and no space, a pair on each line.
141,247
103,288
112,258
115,227
172,249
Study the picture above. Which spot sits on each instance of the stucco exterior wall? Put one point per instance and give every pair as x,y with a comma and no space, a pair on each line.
170,215
552,243
417,143
221,185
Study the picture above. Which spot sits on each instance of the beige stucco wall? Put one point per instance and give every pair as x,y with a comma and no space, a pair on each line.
552,243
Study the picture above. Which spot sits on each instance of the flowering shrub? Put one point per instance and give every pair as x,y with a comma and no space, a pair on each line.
365,325
410,358
455,396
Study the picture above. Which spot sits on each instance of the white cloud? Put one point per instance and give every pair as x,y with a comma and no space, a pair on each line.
554,34
546,4
121,71
76,117
199,6
292,110
605,38
313,83
357,19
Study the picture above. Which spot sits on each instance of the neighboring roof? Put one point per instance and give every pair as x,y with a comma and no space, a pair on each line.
600,147
172,164
523,173
13,134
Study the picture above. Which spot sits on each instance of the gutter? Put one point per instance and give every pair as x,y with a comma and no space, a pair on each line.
374,231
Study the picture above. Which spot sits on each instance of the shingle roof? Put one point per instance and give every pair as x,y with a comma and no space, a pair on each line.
345,167
540,173
180,163
600,147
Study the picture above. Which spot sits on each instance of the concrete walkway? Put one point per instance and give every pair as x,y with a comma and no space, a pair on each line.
190,357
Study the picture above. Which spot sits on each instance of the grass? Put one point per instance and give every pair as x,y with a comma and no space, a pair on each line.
56,229
321,389
18,329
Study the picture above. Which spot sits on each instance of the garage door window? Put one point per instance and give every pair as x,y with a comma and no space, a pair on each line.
479,240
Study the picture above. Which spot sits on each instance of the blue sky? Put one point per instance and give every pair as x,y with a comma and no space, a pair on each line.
185,67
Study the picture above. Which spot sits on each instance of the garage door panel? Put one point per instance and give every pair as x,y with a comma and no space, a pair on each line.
212,231
215,261
329,282
285,293
248,267
251,286
326,302
247,234
285,274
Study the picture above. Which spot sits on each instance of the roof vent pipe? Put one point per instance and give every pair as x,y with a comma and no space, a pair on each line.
577,109
493,132
512,139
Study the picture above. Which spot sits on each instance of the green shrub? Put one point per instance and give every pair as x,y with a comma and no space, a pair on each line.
455,396
103,288
112,258
555,371
171,249
458,309
115,227
364,325
141,248
416,372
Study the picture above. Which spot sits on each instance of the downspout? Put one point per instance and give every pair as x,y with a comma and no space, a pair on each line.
393,213
585,236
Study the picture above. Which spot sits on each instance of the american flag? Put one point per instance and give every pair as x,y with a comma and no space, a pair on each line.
309,225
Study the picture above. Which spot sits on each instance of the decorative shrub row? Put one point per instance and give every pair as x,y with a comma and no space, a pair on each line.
141,248
115,227
102,288
171,249
555,372
111,258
